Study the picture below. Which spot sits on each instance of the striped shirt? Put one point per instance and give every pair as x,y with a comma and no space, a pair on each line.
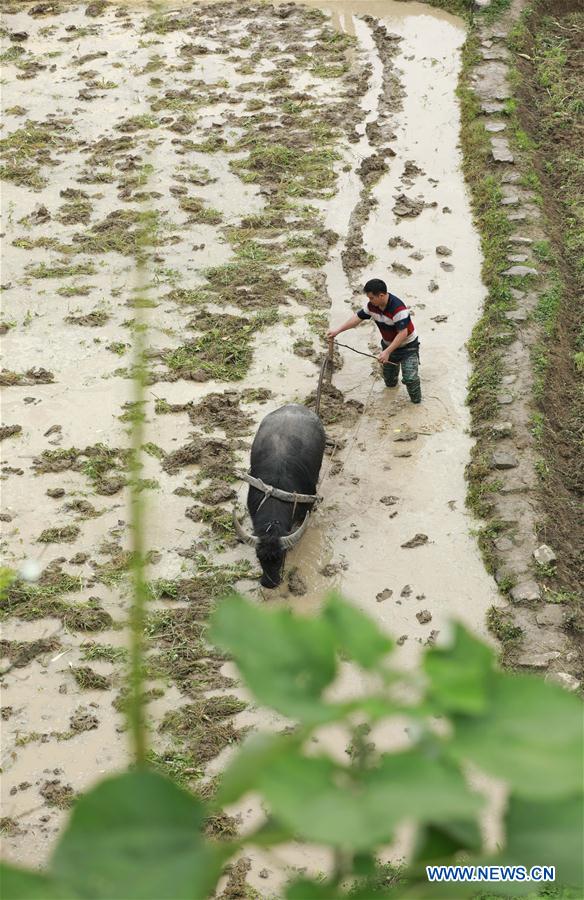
395,317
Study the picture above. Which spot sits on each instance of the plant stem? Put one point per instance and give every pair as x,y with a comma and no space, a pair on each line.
137,517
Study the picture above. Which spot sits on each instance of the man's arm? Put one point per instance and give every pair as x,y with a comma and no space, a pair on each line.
350,323
398,340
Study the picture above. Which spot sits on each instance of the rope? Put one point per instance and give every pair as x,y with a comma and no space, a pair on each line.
361,353
353,440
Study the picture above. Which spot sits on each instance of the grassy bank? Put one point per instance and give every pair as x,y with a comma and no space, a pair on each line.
545,128
549,41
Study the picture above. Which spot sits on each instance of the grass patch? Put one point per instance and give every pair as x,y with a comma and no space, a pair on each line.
199,213
311,258
89,680
64,535
299,173
93,652
61,269
502,627
124,231
220,352
201,726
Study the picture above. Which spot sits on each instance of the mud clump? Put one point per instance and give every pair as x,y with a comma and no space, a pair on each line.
96,8
424,616
94,319
83,507
10,827
87,617
65,535
30,377
79,559
374,166
418,540
81,720
256,395
88,680
20,653
216,493
406,207
201,726
411,171
398,241
305,349
355,256
400,269
296,583
333,406
7,431
95,462
57,794
236,886
221,411
214,457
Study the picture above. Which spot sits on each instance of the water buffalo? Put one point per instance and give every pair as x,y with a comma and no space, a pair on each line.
287,454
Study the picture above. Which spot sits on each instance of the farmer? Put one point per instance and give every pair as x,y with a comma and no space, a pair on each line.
399,339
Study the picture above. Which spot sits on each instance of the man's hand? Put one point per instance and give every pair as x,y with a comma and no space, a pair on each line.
331,334
383,357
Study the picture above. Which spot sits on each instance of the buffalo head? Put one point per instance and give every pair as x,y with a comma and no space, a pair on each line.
271,548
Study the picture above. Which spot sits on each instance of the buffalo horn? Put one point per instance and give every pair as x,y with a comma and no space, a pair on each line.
290,540
241,533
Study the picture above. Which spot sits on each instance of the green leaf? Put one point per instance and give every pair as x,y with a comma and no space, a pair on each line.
134,836
460,675
286,660
423,787
549,834
531,737
356,634
20,884
324,802
243,773
440,841
304,889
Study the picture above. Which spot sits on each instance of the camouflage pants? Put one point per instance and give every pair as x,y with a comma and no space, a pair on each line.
408,361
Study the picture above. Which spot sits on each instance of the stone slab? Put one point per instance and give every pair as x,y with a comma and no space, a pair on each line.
492,106
520,271
491,82
501,151
516,315
551,614
526,592
544,555
537,660
503,460
565,680
502,429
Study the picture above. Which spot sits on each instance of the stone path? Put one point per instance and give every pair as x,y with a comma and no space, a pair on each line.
545,645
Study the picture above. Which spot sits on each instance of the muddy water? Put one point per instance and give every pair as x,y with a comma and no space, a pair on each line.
428,480
353,532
